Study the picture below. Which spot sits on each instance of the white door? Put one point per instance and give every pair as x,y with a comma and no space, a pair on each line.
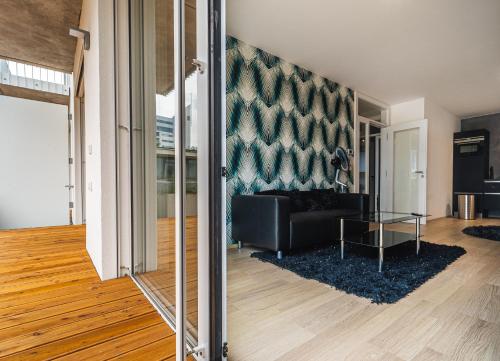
404,167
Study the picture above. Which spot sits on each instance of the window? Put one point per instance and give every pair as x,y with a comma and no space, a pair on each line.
34,77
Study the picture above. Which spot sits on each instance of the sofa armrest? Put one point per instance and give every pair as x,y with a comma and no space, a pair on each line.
261,220
356,201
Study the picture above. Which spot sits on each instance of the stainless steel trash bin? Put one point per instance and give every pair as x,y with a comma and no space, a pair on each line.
466,206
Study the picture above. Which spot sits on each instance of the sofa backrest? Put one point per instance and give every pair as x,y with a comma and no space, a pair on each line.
304,201
321,199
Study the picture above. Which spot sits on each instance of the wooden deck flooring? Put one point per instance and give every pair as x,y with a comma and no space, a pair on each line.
53,305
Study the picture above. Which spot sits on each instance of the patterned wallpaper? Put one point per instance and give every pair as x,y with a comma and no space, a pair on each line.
283,124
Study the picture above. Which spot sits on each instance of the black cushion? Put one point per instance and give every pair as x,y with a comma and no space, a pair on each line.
273,192
326,197
298,200
303,201
322,215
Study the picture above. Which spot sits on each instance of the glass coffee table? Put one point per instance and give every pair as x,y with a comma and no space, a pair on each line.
371,231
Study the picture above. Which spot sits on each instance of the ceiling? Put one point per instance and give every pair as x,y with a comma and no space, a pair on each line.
392,50
36,32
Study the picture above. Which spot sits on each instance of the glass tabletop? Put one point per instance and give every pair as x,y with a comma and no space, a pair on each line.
384,217
372,239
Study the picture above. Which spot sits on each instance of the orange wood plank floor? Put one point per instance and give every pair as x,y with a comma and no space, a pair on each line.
53,305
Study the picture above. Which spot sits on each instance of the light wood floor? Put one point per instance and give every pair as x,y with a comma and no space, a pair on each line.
276,315
53,305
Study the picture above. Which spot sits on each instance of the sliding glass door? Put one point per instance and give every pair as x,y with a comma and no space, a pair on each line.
153,142
170,157
369,160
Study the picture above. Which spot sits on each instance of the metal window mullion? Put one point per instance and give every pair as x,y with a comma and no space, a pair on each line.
180,195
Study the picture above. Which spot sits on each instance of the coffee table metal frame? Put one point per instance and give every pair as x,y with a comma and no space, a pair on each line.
401,217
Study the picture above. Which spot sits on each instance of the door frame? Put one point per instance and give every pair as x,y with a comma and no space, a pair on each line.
78,135
83,160
386,116
368,122
378,163
387,163
217,191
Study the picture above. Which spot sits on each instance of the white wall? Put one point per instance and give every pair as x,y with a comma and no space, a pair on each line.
408,111
33,163
442,125
97,18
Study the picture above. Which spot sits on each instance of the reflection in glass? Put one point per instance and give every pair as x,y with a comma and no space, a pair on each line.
158,257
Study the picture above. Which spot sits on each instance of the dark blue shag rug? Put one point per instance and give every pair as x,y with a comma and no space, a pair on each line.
488,232
357,273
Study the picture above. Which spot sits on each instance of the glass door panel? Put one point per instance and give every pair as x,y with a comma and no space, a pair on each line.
155,250
191,171
168,180
368,170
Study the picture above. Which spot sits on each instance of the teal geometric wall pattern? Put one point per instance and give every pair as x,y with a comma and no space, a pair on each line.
283,125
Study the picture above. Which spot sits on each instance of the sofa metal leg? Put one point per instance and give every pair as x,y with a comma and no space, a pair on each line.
240,245
279,255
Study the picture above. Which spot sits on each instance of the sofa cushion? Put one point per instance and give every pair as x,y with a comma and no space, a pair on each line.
298,200
330,214
326,197
316,200
313,200
273,192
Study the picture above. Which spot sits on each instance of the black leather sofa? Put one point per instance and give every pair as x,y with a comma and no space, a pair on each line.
282,221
